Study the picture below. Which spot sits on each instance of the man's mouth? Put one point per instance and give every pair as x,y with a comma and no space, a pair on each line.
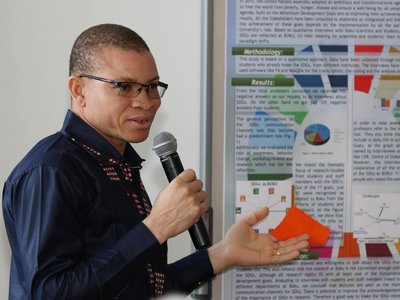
141,121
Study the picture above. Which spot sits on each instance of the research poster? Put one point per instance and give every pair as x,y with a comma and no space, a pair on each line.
313,120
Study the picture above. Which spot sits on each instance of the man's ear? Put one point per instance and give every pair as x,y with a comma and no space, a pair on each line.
76,88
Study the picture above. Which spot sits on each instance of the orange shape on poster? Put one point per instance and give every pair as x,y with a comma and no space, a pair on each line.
297,222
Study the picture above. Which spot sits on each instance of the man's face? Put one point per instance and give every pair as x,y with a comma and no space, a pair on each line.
116,118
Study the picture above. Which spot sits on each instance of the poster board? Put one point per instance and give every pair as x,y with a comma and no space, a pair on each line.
312,112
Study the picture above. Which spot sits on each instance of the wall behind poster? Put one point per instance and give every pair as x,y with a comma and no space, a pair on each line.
313,120
36,40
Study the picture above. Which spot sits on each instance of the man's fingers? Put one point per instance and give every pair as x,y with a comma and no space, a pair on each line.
256,216
187,175
294,240
204,206
292,248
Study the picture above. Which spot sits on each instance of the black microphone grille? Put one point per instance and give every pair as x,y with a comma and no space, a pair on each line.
164,144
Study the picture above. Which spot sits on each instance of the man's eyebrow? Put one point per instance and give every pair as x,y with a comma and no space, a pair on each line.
128,79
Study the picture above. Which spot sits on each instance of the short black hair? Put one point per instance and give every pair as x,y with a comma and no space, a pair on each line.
89,44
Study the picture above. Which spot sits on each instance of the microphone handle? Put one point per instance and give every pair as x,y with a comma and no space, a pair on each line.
173,167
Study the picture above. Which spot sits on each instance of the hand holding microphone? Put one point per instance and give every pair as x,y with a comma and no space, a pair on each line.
165,147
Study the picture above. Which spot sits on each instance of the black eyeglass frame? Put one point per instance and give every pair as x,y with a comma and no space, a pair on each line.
118,84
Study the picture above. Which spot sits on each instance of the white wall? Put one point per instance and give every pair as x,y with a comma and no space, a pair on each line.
36,38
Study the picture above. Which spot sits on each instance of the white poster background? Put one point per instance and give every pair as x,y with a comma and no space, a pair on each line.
313,106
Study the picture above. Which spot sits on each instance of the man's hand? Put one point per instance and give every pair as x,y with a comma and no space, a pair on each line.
242,246
177,207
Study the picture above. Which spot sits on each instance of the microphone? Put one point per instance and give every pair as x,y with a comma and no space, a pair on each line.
165,145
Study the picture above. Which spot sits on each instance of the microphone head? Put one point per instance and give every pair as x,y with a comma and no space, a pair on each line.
164,144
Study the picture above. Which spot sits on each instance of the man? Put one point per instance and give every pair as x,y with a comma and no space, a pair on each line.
78,218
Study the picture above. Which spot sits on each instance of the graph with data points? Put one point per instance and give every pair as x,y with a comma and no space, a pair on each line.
376,215
276,195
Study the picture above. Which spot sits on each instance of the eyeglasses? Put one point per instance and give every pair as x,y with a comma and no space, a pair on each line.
131,89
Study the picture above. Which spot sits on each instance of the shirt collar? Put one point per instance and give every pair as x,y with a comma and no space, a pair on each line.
75,128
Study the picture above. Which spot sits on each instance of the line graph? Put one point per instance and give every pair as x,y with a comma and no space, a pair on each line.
376,215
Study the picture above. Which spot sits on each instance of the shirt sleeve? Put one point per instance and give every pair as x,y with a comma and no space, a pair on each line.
189,273
44,215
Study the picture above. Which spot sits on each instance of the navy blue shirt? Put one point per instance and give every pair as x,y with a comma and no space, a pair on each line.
75,234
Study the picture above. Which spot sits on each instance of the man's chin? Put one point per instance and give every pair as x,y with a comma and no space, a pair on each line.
138,138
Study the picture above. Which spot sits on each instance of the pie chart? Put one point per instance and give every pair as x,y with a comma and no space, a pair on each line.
317,134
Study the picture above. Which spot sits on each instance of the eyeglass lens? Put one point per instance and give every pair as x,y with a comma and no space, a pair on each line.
132,90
